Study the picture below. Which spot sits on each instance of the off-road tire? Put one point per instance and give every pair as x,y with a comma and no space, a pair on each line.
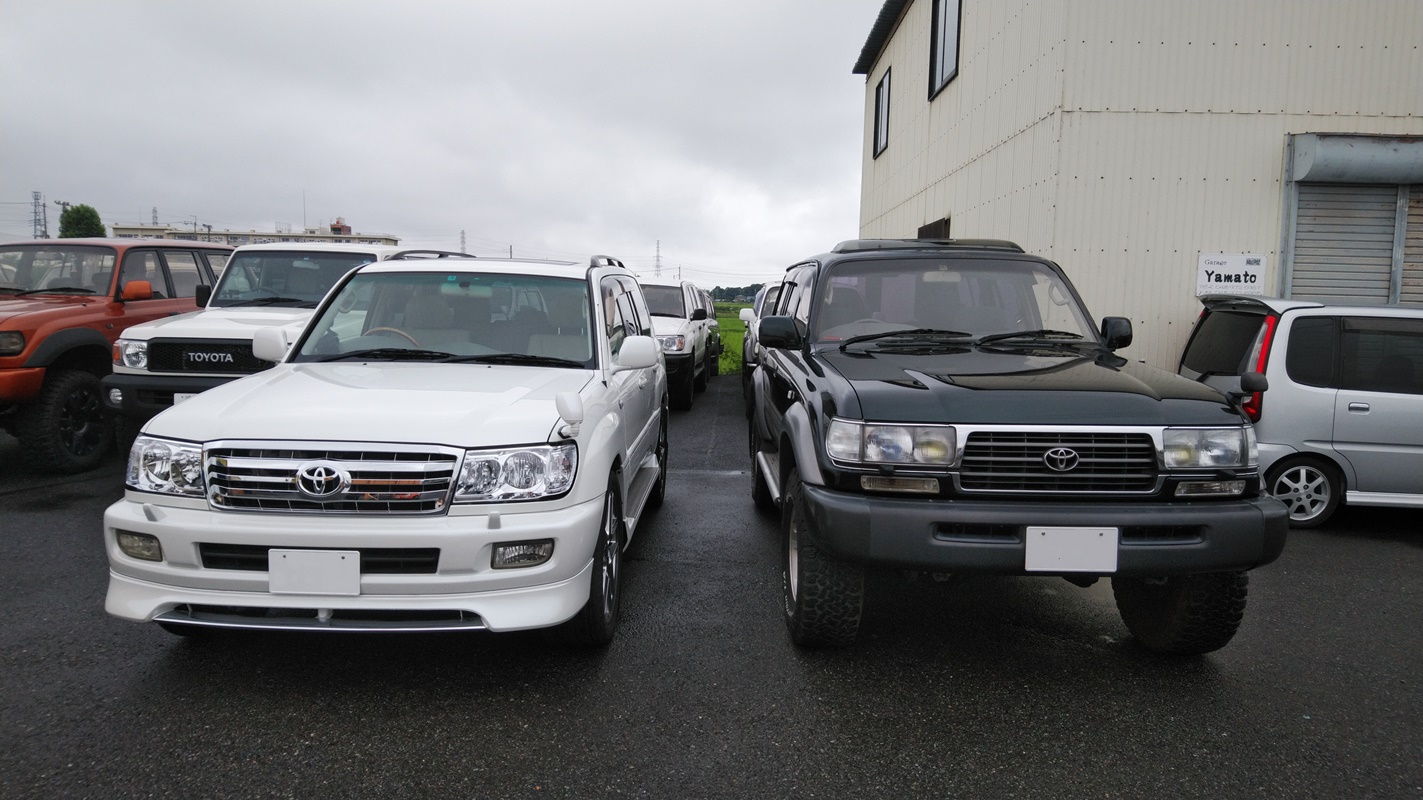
1183,615
1310,488
659,489
683,393
595,624
824,598
66,429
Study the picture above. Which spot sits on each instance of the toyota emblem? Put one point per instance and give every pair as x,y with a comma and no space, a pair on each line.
1060,459
320,480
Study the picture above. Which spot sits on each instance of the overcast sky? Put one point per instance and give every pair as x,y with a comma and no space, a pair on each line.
730,131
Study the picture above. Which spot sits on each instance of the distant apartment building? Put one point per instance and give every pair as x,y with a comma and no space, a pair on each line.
338,231
1156,149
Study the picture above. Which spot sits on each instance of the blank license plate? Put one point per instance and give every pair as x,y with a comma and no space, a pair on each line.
314,572
179,397
1072,550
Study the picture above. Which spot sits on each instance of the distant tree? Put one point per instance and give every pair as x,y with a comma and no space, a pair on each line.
80,220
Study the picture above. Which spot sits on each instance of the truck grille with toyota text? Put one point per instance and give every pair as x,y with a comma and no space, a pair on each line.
204,355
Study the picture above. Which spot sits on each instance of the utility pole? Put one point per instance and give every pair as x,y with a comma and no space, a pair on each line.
657,268
462,250
195,224
40,219
64,206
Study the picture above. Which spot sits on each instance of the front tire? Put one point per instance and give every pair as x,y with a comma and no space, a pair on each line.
595,624
824,598
1183,615
1310,489
66,429
659,489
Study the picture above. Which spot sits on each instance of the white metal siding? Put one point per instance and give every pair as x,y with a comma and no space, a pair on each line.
1343,248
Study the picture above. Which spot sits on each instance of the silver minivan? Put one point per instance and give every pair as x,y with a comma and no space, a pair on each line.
1342,419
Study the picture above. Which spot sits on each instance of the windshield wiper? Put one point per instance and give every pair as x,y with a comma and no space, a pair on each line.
666,314
270,301
520,359
11,289
1038,334
390,354
911,332
57,290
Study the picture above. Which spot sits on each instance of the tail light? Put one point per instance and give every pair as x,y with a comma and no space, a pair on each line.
1260,356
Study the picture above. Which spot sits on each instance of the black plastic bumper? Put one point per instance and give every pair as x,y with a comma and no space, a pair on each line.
1156,539
144,396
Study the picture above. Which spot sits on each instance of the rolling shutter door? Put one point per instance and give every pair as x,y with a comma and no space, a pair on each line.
1411,293
1343,248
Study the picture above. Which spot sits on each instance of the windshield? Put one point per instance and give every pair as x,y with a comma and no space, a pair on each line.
949,297
455,316
282,278
55,269
665,301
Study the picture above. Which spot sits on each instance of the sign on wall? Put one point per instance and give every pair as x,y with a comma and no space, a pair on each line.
1230,273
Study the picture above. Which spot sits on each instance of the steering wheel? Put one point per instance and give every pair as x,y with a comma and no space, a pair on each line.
398,331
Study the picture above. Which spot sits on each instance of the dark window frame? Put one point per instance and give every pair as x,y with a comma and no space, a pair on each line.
938,79
880,124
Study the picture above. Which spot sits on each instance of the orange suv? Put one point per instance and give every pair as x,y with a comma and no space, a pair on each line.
63,302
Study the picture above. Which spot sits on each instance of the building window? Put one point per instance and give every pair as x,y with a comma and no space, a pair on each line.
882,114
944,45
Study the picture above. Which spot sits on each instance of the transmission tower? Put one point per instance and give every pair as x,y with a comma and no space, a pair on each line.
657,268
462,250
40,216
155,215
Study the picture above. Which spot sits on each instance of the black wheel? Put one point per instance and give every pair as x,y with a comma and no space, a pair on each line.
760,491
713,360
823,597
595,624
659,489
1311,489
1183,615
682,391
66,429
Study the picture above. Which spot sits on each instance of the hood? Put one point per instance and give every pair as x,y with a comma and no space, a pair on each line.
222,323
461,405
991,386
670,326
12,307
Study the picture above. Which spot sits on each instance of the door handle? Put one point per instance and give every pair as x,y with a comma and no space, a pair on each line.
1362,408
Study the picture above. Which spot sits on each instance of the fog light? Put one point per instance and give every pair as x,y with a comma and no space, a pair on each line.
116,396
139,545
1200,488
875,483
514,555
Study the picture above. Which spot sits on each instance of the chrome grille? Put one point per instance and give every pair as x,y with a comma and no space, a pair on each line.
1013,461
373,481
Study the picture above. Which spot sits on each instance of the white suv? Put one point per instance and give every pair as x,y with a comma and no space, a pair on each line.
683,327
449,444
170,360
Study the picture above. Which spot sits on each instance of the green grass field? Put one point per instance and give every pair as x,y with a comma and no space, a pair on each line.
733,331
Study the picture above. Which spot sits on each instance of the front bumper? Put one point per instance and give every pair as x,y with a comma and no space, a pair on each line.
144,396
957,536
679,365
463,585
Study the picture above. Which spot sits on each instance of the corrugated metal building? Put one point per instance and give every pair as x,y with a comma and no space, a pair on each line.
1126,139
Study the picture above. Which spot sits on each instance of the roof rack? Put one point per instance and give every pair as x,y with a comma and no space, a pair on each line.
858,245
407,254
605,261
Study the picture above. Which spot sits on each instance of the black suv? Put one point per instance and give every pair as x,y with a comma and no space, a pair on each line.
948,407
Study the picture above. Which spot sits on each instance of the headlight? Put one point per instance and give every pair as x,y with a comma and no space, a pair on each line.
11,343
166,467
1210,448
523,473
673,344
872,443
131,353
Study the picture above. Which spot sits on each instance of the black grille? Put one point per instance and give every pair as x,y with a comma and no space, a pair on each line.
223,356
379,482
374,560
1000,461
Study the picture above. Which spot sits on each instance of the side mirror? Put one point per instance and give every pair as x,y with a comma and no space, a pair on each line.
1252,382
202,295
270,344
1116,331
137,290
748,315
699,314
778,332
637,352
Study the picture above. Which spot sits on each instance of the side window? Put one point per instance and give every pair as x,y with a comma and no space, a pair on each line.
142,265
183,273
801,300
881,121
639,304
217,262
1312,351
615,325
1381,354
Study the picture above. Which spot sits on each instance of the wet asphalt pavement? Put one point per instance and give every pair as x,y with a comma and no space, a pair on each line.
997,687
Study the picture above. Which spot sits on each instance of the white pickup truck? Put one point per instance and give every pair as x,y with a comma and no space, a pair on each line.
449,444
